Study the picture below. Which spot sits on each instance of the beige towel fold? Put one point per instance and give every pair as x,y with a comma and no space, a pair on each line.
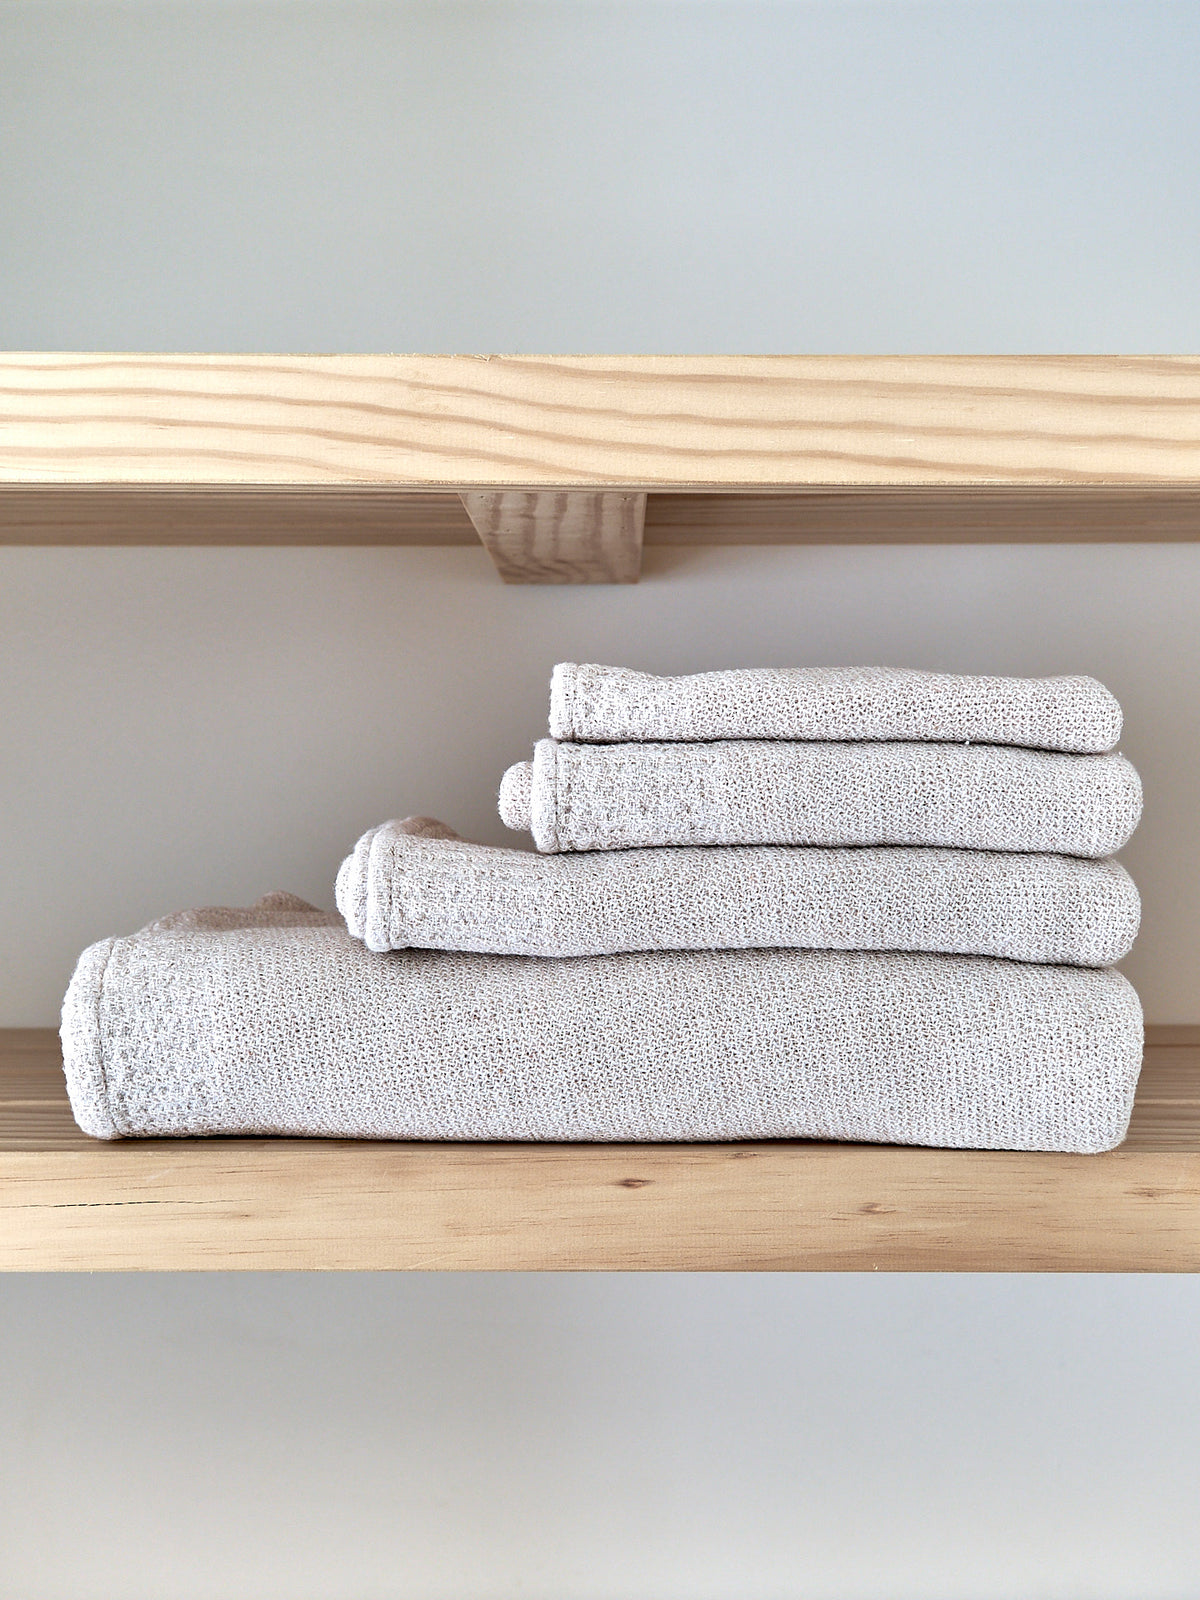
415,884
274,1021
614,704
969,797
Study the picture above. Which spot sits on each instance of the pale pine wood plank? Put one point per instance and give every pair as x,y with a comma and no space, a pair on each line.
567,537
70,1203
173,514
925,516
1162,1035
84,514
634,422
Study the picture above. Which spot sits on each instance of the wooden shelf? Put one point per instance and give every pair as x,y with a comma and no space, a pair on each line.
650,422
551,454
222,449
115,514
70,1203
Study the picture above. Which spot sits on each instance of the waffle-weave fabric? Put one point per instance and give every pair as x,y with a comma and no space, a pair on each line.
276,1021
414,883
758,791
589,702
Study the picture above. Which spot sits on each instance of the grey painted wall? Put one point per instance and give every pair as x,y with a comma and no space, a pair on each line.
203,725
579,177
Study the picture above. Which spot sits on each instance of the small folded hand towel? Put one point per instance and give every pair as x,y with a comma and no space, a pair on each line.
275,1021
416,884
969,797
590,703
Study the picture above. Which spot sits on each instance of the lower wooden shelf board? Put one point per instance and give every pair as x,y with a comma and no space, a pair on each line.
70,1203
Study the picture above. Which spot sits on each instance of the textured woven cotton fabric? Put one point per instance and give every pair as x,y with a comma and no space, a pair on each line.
415,884
613,704
968,797
274,1021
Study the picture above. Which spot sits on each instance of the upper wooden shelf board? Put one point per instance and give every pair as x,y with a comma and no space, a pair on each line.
70,1203
722,423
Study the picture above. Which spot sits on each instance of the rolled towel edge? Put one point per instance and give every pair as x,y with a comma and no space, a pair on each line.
82,1044
350,885
516,796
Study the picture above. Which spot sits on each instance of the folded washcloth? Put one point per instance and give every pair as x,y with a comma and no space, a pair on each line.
613,704
743,791
416,884
271,1020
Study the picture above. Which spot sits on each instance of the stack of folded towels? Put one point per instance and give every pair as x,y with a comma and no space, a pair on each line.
862,904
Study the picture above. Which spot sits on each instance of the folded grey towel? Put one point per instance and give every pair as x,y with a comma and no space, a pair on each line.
416,884
272,1020
613,704
969,797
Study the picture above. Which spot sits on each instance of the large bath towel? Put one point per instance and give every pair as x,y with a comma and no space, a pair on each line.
416,884
969,797
613,704
275,1021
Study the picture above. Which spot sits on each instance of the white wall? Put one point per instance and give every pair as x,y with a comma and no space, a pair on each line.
588,175
183,726
769,1437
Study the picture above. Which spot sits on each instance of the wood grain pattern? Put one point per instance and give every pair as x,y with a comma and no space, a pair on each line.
69,1203
925,516
82,514
633,422
216,514
569,537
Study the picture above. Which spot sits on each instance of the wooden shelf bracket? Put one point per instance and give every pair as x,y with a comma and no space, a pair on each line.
560,536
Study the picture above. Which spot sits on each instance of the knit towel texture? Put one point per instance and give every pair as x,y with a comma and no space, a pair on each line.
968,797
613,704
274,1021
415,884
